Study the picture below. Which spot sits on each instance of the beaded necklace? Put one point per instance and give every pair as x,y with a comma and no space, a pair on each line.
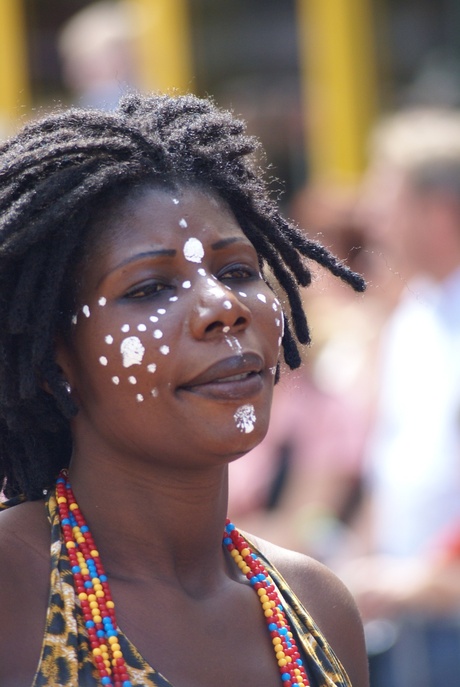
93,591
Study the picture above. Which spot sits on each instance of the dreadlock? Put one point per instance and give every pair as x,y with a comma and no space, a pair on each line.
55,176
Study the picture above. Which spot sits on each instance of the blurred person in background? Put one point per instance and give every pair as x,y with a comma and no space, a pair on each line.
408,585
96,47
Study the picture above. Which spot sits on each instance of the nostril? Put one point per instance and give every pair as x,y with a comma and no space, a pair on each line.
214,325
240,321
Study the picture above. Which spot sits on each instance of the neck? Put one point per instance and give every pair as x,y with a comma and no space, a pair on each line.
156,523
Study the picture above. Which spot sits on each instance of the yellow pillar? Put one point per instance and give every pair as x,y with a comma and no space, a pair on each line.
164,50
339,84
14,86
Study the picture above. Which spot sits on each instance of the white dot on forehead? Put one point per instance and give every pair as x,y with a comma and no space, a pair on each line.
139,398
164,350
151,367
202,272
141,327
108,339
193,250
262,297
153,318
103,360
186,284
85,310
161,311
125,328
157,334
132,351
154,392
116,380
227,305
175,201
132,380
102,301
183,223
172,299
74,319
244,295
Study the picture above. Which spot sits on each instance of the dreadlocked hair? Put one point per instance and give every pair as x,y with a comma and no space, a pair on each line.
55,176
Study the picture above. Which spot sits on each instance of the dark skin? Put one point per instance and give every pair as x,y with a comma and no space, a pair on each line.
150,471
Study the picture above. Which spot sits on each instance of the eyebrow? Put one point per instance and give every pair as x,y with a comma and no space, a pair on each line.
223,243
164,252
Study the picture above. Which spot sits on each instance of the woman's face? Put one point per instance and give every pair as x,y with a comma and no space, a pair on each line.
176,336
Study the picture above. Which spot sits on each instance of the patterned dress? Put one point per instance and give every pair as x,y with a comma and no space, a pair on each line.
66,655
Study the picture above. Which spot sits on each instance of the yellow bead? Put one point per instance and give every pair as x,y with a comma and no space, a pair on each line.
108,666
94,553
117,654
97,652
96,580
246,569
115,647
93,605
103,647
263,598
266,605
268,613
282,662
280,654
97,587
62,499
290,634
91,597
276,640
261,592
73,506
234,553
83,596
80,540
97,618
110,604
297,671
245,552
238,558
241,564
100,594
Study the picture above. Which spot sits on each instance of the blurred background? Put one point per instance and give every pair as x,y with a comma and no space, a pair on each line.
357,106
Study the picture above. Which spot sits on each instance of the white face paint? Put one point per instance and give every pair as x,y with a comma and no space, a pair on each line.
153,318
234,344
175,201
132,380
226,329
164,350
141,328
186,285
157,334
151,367
193,250
132,351
161,311
183,223
275,307
277,322
109,339
103,360
245,418
272,370
244,295
139,398
102,301
85,311
262,297
227,305
172,299
202,272
116,380
74,319
125,328
154,392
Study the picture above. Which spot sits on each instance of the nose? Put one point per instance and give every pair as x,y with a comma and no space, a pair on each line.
217,310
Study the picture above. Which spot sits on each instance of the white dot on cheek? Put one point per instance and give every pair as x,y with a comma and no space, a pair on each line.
108,339
132,351
151,367
202,272
85,310
103,360
141,328
227,305
139,398
154,392
186,284
172,299
157,334
164,350
161,311
125,328
102,301
116,380
226,329
74,319
244,295
153,318
277,322
275,307
132,380
262,297
183,223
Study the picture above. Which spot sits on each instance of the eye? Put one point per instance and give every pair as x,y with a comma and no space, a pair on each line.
238,272
146,290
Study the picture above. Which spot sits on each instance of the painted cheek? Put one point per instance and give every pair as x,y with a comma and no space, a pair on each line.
245,418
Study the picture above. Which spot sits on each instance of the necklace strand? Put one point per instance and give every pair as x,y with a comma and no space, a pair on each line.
93,591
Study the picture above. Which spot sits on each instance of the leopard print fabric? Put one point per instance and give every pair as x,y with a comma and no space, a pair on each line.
66,659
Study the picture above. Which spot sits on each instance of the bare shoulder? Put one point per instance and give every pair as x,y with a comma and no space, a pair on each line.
24,585
329,603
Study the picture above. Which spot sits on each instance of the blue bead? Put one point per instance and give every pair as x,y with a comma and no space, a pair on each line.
299,662
84,528
253,580
103,578
254,556
280,606
283,631
88,584
227,541
76,569
65,521
89,623
285,676
272,627
100,633
261,577
111,633
106,681
230,527
127,683
60,480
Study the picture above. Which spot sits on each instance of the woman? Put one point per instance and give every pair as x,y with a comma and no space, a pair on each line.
140,342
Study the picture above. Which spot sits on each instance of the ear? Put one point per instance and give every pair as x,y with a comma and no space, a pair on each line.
65,360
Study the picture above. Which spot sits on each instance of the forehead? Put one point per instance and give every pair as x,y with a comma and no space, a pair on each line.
161,217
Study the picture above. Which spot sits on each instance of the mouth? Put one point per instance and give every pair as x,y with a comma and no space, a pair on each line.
234,378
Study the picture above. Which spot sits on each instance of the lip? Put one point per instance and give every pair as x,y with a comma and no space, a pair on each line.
233,378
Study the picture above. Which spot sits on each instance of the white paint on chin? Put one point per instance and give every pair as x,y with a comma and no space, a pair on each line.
183,223
86,311
154,392
141,328
116,380
245,418
157,334
139,398
164,350
108,339
103,360
151,367
193,250
132,380
132,351
102,301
